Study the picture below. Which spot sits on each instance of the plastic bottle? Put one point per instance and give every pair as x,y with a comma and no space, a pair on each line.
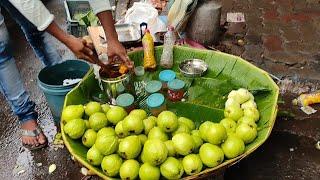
149,61
167,53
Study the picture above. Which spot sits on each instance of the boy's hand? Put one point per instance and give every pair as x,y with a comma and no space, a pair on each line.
80,48
115,49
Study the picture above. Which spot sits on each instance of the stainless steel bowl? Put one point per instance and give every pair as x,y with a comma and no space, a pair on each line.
193,67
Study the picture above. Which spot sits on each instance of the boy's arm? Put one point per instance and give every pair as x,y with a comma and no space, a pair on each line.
39,15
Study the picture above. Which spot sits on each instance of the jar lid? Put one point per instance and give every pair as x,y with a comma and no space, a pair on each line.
120,88
167,75
153,86
176,84
125,100
155,100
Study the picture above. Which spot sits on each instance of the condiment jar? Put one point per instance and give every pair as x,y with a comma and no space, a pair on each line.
166,76
126,101
176,90
153,87
156,104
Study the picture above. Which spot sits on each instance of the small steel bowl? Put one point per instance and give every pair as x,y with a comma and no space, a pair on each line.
193,67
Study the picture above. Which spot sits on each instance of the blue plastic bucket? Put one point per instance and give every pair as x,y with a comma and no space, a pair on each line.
50,81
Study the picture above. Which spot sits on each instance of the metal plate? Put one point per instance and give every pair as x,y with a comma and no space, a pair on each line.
193,67
127,33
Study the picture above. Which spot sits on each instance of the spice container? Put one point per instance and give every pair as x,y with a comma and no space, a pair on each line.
166,76
176,90
126,101
153,87
156,104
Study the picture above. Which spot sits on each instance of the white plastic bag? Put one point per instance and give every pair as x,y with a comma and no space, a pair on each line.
144,12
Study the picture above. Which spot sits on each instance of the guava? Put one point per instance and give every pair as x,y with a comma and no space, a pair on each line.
157,133
119,130
183,143
167,121
111,164
87,124
192,164
92,107
182,128
233,147
72,112
197,142
154,152
75,128
216,134
105,107
229,124
142,114
247,120
94,156
204,127
149,123
106,131
211,155
132,124
107,144
149,172
172,168
246,132
171,151
89,138
129,169
234,112
98,120
252,113
116,114
249,104
241,95
130,147
187,122
195,133
231,102
143,138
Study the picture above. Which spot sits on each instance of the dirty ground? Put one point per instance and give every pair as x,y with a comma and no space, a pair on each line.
280,37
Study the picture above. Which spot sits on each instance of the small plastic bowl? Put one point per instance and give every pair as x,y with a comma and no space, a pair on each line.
193,67
139,71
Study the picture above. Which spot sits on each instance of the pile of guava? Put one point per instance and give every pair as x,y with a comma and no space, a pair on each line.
135,145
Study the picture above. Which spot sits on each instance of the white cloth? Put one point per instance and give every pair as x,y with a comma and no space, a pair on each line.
39,15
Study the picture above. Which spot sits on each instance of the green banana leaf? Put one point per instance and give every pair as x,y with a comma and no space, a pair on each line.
206,97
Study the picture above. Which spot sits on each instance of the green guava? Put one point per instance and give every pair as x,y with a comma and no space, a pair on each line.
192,164
94,156
106,131
116,114
143,138
149,172
182,128
72,112
229,124
234,112
204,127
98,120
197,142
142,114
171,151
105,107
216,134
107,144
158,133
183,143
246,132
187,122
129,170
130,147
111,164
119,130
89,138
211,155
154,152
149,123
172,168
92,107
75,128
167,121
233,147
132,124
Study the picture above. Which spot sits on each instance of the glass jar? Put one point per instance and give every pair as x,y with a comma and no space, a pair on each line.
153,87
176,90
166,76
126,101
156,104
